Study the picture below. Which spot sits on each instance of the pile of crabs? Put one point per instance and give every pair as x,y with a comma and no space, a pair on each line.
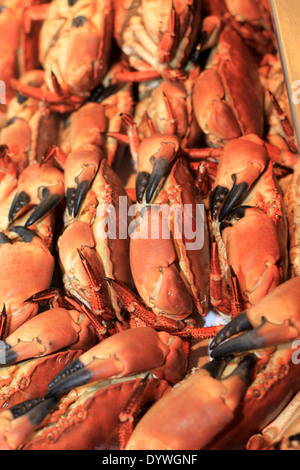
130,108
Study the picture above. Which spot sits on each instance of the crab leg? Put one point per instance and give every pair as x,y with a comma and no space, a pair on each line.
185,329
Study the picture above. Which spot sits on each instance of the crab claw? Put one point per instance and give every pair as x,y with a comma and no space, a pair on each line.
88,126
19,421
127,353
155,155
25,233
40,186
241,163
273,320
258,271
40,336
81,168
201,393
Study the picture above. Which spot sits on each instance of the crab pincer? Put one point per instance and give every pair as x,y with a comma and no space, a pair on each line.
41,335
127,353
19,421
241,163
258,270
87,140
209,397
155,157
275,319
41,186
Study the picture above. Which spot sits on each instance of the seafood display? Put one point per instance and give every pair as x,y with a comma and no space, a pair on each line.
149,228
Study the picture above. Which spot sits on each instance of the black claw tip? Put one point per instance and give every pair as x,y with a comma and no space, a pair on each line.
74,375
36,409
216,366
20,98
21,408
20,200
224,225
25,233
79,21
218,196
160,168
38,413
237,213
75,197
7,354
195,56
11,121
100,93
236,325
295,438
5,239
49,201
70,198
245,368
142,180
81,192
246,342
234,197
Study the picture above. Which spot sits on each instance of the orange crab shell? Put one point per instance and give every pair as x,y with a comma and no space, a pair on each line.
253,21
109,190
8,176
155,46
87,126
248,12
71,33
29,138
169,107
227,101
9,45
